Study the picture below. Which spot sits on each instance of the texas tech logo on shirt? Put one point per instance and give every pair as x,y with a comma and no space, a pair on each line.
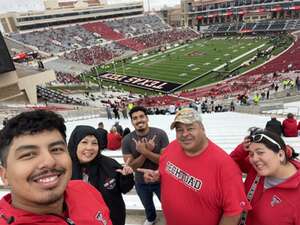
275,200
100,218
110,183
183,177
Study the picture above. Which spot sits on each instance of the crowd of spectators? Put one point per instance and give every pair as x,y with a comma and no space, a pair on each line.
96,55
163,37
67,78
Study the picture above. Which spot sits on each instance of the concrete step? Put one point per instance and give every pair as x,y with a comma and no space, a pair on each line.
138,219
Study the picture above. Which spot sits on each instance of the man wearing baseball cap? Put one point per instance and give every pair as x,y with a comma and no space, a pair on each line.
200,183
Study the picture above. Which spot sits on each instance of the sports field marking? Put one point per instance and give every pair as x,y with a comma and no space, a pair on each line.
152,56
206,64
226,54
197,68
240,56
182,74
217,59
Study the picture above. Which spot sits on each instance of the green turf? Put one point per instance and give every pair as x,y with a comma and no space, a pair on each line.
188,61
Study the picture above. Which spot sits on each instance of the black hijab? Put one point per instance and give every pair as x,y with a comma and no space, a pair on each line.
77,135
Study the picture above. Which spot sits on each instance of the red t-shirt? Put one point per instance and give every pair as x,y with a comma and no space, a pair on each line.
199,190
85,206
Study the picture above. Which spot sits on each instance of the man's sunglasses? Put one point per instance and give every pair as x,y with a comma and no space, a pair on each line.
257,138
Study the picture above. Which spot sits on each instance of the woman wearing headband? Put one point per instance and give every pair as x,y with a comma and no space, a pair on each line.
273,179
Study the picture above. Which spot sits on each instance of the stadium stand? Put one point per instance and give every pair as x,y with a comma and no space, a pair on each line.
67,78
138,25
259,26
103,30
49,95
55,40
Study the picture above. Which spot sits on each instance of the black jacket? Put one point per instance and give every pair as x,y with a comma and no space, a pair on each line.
274,126
103,138
102,175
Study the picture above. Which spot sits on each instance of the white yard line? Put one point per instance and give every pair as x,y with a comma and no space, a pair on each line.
239,57
159,54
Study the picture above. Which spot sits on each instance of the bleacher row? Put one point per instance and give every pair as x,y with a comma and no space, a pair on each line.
54,40
260,26
96,43
52,96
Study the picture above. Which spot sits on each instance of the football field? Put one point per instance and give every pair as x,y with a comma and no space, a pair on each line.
185,62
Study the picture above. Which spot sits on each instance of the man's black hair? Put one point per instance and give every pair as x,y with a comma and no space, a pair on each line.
29,123
136,109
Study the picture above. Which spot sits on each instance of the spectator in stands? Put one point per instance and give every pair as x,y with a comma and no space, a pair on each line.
116,111
297,83
274,126
124,111
35,164
107,175
232,106
102,135
142,148
256,99
273,179
113,139
194,174
289,126
108,111
119,128
125,132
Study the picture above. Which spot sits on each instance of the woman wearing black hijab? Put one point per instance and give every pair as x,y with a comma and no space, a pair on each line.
104,173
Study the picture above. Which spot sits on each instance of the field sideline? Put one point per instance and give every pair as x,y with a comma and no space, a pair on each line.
187,62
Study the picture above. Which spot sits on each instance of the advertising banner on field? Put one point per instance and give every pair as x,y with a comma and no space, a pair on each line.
150,84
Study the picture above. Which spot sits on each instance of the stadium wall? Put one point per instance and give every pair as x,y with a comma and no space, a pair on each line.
15,87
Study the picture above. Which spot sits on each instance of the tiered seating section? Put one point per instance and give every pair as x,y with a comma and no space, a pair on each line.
161,38
56,97
260,26
97,54
59,39
96,43
67,78
134,26
103,30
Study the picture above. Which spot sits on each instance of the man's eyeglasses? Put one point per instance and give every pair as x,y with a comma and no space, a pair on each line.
257,138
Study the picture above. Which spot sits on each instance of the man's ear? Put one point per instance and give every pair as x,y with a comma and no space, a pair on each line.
3,175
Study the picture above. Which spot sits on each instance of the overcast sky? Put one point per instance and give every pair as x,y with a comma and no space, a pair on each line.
25,5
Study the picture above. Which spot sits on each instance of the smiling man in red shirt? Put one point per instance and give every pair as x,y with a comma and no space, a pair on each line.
200,183
36,165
